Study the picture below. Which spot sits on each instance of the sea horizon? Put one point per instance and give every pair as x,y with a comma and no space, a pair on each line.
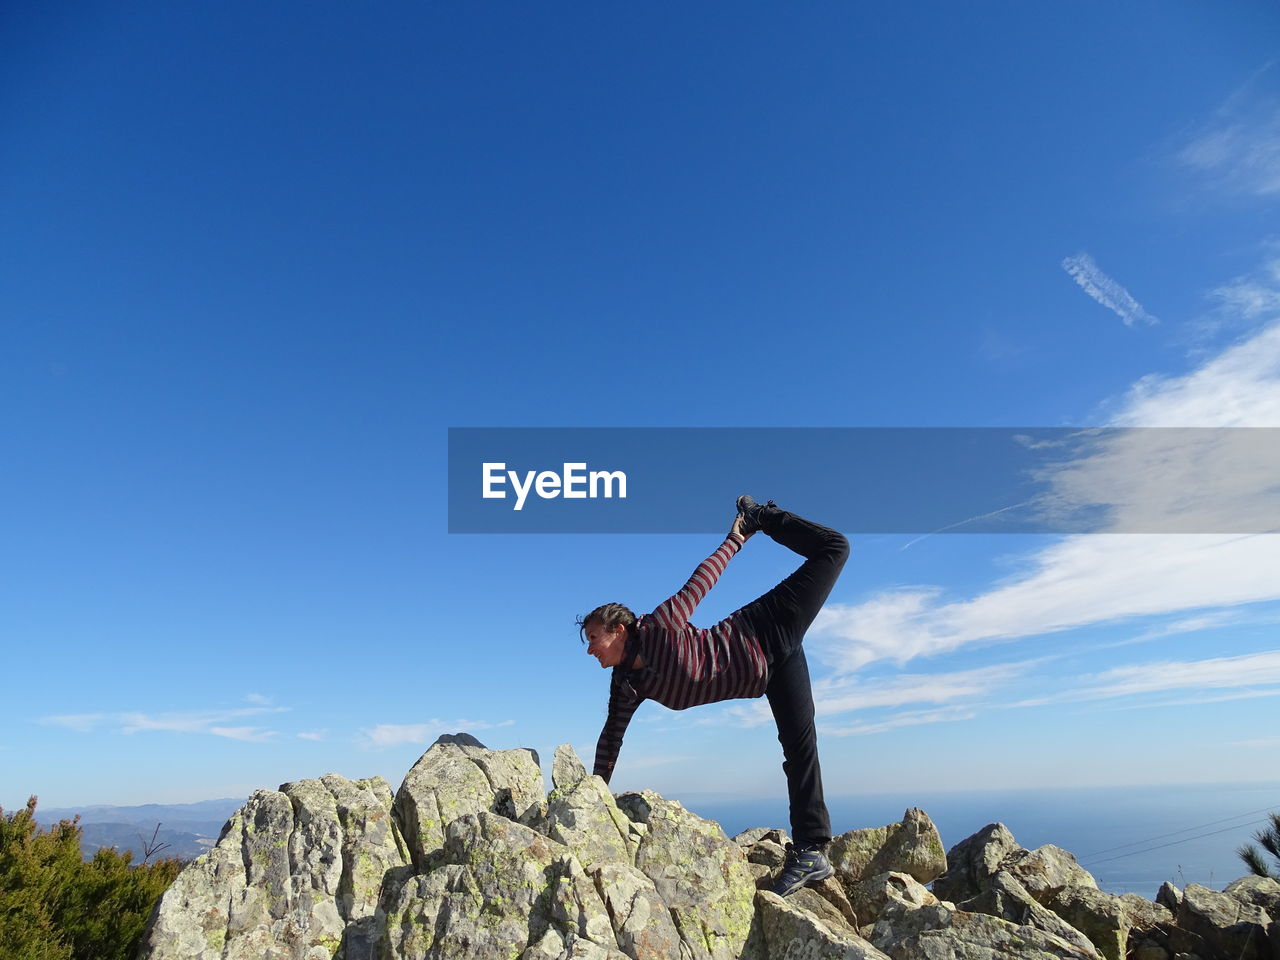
1131,839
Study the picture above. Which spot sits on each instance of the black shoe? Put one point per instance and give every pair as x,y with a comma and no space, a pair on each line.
803,865
750,511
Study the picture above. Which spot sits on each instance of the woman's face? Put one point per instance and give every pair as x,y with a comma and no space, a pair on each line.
607,646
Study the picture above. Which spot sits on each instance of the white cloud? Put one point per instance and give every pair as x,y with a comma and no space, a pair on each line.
246,734
1238,388
1196,624
313,735
907,719
1106,291
1239,148
79,722
393,734
1239,673
1217,480
1077,582
1255,297
210,722
845,693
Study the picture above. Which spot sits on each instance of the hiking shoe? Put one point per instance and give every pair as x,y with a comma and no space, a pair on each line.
804,865
750,513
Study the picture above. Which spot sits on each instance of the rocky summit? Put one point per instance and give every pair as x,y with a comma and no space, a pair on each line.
472,858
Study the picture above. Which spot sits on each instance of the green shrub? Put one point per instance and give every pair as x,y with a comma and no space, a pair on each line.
1269,838
54,905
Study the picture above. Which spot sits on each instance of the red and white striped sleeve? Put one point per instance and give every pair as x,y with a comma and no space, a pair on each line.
675,612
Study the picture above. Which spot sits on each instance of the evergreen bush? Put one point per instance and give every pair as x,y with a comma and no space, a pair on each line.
55,905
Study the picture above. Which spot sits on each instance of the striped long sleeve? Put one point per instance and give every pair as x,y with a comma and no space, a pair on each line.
623,701
674,613
683,665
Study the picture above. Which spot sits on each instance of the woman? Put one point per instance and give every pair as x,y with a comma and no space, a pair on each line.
755,651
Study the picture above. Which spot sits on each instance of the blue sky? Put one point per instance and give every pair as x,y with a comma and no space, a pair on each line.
257,261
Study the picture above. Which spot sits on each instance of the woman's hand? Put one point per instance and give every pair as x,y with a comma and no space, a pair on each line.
737,528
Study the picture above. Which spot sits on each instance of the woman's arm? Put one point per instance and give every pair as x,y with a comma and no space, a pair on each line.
622,704
676,611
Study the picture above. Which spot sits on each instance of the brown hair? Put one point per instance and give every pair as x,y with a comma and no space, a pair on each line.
608,615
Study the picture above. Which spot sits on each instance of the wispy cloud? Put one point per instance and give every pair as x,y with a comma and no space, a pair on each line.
1106,291
1239,147
906,719
1243,673
214,723
393,734
842,694
316,735
1104,578
1253,296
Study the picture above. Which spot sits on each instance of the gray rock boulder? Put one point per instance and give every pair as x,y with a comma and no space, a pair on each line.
452,780
642,923
497,889
1262,892
1169,897
293,870
1101,917
937,931
870,897
1228,927
783,930
1046,870
973,862
581,813
697,871
911,846
1143,914
1008,899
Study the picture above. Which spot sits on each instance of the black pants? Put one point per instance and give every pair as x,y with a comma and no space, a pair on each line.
780,619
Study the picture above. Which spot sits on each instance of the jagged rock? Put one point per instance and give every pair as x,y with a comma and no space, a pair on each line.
291,871
1101,917
495,887
749,838
972,863
452,780
700,875
869,897
1143,914
566,767
1262,892
933,932
581,814
641,922
461,739
495,868
1228,927
768,847
1008,899
827,902
1169,897
912,847
1046,870
785,931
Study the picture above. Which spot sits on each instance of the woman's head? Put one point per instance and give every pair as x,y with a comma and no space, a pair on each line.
605,631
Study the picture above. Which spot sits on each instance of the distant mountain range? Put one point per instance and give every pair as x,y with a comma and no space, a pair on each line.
189,829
